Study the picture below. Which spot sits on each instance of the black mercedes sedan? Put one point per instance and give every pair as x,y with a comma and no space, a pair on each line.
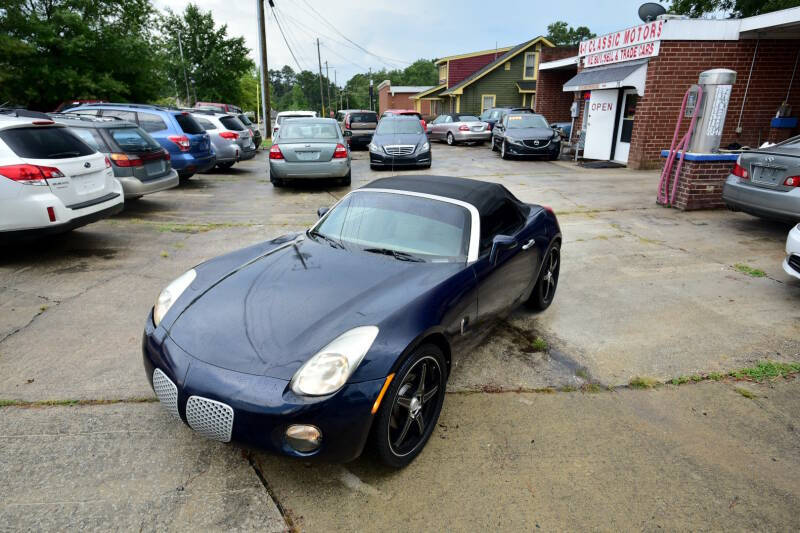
399,141
520,134
319,344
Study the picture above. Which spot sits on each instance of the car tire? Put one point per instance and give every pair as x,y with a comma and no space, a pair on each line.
345,181
545,289
493,145
277,183
374,167
451,141
503,154
225,166
185,177
406,419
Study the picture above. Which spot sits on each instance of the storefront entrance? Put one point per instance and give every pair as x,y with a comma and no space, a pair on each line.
625,127
600,124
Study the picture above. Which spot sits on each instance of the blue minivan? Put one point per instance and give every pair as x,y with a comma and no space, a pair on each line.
188,144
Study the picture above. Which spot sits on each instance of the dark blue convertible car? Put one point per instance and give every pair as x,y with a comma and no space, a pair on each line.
314,344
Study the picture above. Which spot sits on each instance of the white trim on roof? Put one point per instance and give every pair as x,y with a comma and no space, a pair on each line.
559,63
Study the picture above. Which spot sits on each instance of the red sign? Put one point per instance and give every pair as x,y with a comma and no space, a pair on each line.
644,33
622,54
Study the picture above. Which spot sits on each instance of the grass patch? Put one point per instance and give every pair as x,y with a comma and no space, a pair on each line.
750,271
766,370
164,254
680,380
42,308
592,388
6,403
744,392
568,388
643,382
539,345
72,402
173,227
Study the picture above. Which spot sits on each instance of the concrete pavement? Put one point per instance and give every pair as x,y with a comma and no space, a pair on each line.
644,291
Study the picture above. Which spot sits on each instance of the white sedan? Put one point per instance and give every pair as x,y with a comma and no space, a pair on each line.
791,265
50,180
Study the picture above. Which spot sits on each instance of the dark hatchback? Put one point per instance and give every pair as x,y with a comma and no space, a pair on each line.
140,164
399,141
522,134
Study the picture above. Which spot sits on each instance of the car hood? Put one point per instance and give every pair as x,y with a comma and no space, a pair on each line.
398,138
530,133
276,311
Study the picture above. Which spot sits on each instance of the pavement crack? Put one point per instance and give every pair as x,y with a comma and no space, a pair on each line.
285,513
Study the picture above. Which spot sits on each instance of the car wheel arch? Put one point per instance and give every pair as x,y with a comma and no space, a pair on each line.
433,336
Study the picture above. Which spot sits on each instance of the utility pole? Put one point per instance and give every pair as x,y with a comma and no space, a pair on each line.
338,98
328,83
185,77
266,105
321,97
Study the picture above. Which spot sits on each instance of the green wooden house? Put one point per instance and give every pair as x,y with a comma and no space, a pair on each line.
510,80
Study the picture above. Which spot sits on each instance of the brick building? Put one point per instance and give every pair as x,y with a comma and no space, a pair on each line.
551,100
399,97
629,85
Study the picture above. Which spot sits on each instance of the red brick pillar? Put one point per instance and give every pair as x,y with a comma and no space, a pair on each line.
701,180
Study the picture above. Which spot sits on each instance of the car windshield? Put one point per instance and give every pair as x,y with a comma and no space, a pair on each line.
359,118
309,130
394,126
408,227
232,123
246,121
45,143
188,124
516,122
133,140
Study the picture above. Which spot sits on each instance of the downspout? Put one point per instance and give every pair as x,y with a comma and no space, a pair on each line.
746,88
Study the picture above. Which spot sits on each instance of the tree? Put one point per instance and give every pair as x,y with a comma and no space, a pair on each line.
561,34
55,50
420,72
214,62
733,8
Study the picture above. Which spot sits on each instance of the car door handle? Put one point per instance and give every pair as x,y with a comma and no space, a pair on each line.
528,244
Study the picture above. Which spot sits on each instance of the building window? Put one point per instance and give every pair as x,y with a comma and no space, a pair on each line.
507,66
442,74
529,70
487,101
436,107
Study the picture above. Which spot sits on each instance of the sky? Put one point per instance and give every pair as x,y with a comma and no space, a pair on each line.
393,34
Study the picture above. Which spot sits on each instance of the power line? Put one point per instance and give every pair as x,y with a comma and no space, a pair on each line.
346,38
275,16
293,40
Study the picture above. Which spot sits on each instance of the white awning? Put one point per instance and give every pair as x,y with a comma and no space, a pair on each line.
631,74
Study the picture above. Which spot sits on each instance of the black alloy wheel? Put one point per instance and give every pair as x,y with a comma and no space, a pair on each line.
545,289
450,139
411,407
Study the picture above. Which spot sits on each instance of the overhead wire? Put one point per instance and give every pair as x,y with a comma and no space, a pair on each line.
285,40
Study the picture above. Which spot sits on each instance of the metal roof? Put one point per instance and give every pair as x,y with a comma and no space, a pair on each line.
610,77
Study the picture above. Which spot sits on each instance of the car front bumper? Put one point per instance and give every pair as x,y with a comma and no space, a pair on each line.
767,203
282,169
549,149
134,187
791,265
472,136
417,159
261,408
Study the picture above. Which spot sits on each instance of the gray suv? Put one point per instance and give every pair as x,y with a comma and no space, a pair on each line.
232,140
139,162
361,126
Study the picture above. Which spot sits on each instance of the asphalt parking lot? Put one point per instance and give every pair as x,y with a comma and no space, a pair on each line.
554,439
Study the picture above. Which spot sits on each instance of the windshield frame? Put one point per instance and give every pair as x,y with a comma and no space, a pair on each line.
526,116
388,123
475,219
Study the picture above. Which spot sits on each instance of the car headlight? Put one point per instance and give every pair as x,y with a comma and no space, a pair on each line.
170,294
332,366
425,147
512,140
374,147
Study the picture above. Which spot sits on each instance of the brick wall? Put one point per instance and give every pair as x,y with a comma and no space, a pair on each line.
551,100
557,52
700,184
399,101
677,67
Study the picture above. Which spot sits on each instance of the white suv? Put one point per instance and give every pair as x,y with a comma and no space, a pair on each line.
50,180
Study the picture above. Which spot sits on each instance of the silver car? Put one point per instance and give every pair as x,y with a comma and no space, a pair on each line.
309,148
232,140
766,182
457,128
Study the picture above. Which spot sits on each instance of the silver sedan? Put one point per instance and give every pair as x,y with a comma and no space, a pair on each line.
456,128
309,148
766,182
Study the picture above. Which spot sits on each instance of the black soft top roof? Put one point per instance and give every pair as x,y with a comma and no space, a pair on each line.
485,196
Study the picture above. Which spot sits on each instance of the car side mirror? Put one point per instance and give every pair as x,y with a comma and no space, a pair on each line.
347,133
321,211
499,126
561,132
499,244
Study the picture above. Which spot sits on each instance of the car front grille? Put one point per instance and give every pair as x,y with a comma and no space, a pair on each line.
537,143
167,392
399,149
794,262
210,418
